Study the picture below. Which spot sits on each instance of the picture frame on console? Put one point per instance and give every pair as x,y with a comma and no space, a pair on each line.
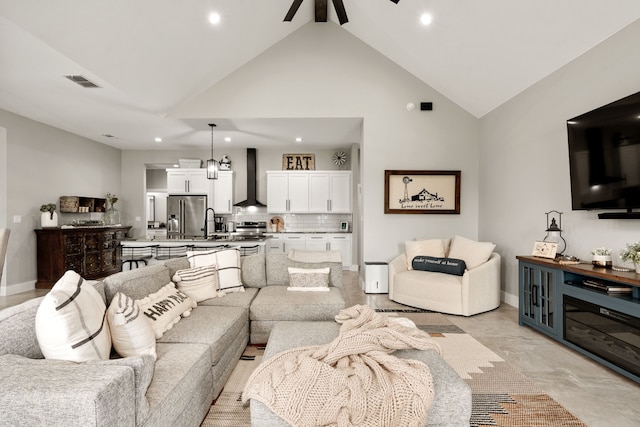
545,249
421,192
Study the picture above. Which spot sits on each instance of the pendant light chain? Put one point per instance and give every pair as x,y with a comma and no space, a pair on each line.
212,165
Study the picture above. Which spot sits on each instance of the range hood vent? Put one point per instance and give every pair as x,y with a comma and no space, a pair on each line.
252,183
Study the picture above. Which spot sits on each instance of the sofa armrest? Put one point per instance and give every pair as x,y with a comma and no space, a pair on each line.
54,392
397,265
481,286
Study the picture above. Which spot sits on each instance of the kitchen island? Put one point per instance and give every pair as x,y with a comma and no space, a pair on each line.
172,248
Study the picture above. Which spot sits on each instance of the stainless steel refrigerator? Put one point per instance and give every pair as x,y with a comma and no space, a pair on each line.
185,216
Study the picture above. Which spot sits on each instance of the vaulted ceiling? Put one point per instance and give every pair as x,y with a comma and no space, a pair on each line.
147,55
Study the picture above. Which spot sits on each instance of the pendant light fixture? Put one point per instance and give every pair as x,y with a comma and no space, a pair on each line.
212,164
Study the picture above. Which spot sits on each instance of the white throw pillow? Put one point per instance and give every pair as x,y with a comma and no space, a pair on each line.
431,247
71,321
309,279
227,262
200,283
471,252
131,333
164,308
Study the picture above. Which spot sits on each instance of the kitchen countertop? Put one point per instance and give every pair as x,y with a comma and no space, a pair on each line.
307,232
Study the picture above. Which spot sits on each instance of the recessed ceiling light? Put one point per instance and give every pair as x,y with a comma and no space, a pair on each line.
426,19
227,139
299,139
158,139
214,18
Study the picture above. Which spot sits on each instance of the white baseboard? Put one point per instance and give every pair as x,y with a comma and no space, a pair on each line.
17,288
510,299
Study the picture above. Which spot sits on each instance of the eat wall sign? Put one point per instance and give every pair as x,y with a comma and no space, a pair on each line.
298,162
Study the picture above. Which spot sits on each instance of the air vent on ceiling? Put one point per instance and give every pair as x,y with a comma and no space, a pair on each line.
82,81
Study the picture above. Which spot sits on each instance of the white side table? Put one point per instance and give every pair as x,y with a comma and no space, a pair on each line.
376,276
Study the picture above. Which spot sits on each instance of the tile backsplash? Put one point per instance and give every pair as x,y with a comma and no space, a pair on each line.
294,222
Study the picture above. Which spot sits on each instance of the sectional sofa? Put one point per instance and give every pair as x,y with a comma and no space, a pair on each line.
194,358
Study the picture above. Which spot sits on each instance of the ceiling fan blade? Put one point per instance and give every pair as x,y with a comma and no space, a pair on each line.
292,10
342,14
321,10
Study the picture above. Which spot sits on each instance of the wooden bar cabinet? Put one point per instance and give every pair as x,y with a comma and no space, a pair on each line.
92,252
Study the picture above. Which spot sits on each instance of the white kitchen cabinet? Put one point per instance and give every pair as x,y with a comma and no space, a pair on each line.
317,242
223,193
294,241
275,243
341,242
330,192
284,242
187,181
287,192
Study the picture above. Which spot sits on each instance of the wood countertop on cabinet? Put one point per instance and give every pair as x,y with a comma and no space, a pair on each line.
93,252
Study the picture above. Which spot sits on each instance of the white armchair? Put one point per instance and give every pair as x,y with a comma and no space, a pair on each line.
476,291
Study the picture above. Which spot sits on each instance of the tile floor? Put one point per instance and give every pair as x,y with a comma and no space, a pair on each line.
595,394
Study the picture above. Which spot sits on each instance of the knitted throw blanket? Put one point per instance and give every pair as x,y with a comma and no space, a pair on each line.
353,380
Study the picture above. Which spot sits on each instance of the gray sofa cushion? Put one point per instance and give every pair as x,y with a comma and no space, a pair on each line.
452,402
137,283
181,391
253,271
215,326
233,299
175,264
18,330
278,274
52,392
277,303
143,368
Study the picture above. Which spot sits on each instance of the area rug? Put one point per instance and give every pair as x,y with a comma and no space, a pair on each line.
501,396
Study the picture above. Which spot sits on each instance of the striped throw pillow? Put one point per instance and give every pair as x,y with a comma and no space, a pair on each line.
131,334
227,262
200,283
71,321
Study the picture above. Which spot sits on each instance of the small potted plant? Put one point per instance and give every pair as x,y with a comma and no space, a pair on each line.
632,253
48,217
601,257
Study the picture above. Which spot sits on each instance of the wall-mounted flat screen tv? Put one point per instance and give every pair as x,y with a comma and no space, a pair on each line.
604,157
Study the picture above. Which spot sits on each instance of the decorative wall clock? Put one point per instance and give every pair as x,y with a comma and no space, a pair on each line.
339,158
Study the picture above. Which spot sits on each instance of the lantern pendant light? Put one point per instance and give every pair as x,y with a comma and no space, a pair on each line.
212,164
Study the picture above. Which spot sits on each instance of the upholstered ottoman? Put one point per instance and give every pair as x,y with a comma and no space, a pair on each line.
451,405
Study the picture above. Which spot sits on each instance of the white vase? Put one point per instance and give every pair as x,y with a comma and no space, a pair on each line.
637,266
602,261
49,220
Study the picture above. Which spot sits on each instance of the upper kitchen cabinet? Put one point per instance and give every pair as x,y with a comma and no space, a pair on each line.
187,181
309,192
330,192
223,193
287,192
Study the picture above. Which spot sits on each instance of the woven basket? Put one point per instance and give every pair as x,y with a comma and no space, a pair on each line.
69,203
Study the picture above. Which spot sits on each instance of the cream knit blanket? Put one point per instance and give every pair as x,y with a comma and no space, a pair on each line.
353,380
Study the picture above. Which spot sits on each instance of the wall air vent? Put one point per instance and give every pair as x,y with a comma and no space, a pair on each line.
82,81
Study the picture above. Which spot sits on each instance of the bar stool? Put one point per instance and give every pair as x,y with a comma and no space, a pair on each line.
135,255
168,252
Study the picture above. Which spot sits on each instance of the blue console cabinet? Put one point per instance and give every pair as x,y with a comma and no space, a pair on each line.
605,326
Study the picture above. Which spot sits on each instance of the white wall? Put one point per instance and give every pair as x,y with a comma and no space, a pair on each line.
44,163
524,157
323,71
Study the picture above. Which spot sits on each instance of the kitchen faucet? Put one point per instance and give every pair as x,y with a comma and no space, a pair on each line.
206,216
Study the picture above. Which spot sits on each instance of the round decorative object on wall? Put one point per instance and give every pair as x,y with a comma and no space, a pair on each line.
339,158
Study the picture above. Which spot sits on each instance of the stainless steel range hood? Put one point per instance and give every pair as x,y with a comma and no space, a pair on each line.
252,184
